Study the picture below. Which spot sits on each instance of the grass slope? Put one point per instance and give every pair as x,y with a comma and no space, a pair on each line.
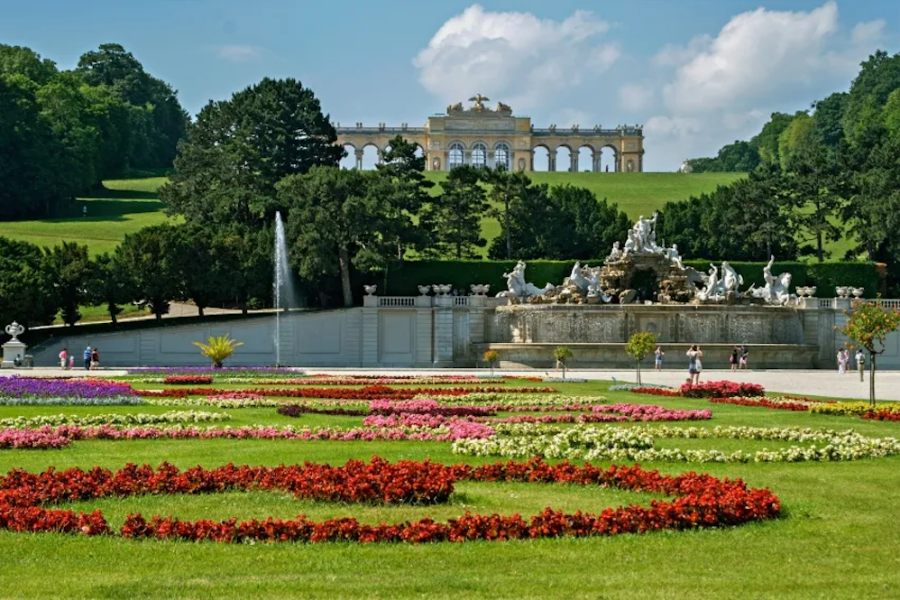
834,540
124,206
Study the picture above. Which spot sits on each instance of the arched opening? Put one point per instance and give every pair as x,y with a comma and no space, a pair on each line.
609,159
420,151
457,155
479,156
586,159
563,159
371,157
502,157
350,161
541,159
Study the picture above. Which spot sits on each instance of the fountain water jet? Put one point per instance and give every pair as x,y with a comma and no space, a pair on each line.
283,287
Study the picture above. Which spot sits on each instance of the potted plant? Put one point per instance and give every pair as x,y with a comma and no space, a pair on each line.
217,349
640,345
491,357
562,354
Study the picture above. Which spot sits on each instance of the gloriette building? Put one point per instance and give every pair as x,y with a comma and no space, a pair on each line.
481,136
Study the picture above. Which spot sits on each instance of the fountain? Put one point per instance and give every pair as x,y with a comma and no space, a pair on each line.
283,288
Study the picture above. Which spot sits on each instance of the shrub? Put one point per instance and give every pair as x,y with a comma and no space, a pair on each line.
217,349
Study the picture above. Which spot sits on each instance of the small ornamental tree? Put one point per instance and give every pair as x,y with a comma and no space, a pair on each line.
491,357
867,326
638,346
562,354
217,349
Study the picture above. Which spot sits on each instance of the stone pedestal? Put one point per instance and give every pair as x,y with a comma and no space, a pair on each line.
11,350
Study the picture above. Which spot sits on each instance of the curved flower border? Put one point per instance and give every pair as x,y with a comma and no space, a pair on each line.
700,501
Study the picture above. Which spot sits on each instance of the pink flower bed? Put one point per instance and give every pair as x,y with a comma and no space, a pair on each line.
20,439
606,413
426,407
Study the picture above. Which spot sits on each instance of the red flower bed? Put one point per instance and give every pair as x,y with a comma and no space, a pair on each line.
656,392
721,389
187,379
372,392
794,406
699,501
882,415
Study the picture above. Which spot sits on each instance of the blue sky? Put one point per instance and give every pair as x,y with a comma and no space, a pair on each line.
696,73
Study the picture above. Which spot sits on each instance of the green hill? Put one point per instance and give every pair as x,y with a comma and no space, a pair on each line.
126,205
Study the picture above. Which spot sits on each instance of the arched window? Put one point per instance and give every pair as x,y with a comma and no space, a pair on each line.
456,155
501,156
479,156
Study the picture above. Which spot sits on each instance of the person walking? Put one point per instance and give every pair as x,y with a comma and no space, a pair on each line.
745,355
87,359
71,361
659,357
95,359
694,364
860,363
734,358
64,358
841,361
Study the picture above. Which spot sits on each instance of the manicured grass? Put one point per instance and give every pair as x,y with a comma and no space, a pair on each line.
124,206
93,314
836,539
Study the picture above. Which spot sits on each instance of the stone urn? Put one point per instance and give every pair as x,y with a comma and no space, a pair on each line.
842,291
424,289
14,349
858,292
811,291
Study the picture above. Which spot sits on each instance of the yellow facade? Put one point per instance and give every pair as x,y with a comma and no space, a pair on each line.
482,136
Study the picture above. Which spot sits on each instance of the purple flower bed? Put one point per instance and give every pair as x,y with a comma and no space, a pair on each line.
33,387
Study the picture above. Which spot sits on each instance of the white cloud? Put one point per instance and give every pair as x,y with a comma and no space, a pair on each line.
754,54
868,32
513,56
241,54
635,97
673,55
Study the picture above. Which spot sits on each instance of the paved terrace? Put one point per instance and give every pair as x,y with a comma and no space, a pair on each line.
808,382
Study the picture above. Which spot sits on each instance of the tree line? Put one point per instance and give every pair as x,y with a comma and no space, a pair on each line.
63,132
813,178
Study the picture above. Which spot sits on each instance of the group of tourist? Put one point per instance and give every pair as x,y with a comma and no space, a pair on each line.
843,361
738,359
91,359
739,356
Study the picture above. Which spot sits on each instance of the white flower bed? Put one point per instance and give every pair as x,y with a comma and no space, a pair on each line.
586,442
183,416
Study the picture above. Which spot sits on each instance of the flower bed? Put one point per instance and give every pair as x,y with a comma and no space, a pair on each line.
22,439
852,408
295,410
627,387
655,391
219,373
882,415
374,392
184,416
636,443
721,389
700,501
73,401
427,407
187,379
618,412
16,388
791,403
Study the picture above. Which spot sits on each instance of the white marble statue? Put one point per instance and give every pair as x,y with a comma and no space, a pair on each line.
518,288
674,257
718,287
577,278
615,254
685,167
777,289
732,280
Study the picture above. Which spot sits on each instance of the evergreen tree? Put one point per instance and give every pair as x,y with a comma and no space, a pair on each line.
456,214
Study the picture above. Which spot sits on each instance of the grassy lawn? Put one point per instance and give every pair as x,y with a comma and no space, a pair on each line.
837,537
125,206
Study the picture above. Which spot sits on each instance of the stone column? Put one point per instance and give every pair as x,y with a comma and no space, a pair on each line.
573,161
551,161
380,156
467,157
595,161
443,331
424,341
359,160
490,158
370,331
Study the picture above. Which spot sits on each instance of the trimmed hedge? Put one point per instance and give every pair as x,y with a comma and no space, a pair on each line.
403,279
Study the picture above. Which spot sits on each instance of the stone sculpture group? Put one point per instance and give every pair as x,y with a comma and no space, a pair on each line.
641,252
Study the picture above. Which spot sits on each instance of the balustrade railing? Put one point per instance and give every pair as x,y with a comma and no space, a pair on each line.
396,301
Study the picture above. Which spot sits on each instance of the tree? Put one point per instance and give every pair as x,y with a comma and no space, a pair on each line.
338,217
506,187
766,142
828,115
27,293
404,173
456,214
639,345
157,129
72,271
799,134
17,60
147,258
868,325
239,149
194,265
108,284
878,77
816,186
243,265
561,354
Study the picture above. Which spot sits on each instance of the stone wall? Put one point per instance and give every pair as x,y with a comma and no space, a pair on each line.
446,331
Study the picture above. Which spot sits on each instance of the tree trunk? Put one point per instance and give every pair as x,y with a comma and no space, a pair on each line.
769,244
819,254
344,258
872,379
508,238
199,310
111,307
158,315
639,372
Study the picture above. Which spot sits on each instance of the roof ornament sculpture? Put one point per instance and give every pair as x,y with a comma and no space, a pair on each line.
479,101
